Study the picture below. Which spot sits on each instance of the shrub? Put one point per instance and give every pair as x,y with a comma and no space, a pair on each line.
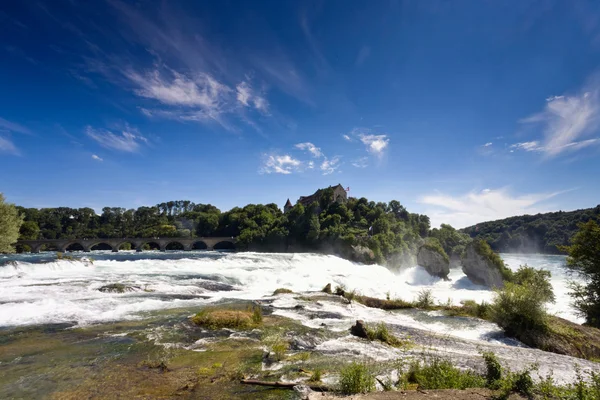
493,373
483,249
356,378
519,309
340,290
316,376
441,374
219,319
382,334
257,316
282,291
537,279
474,309
425,299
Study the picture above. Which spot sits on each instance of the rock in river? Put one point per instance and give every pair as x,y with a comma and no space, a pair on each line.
436,263
482,266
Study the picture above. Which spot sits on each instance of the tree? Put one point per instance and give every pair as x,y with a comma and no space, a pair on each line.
29,231
584,259
10,223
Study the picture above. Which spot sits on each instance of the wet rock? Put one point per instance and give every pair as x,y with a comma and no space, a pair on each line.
480,268
119,288
304,342
359,329
216,286
327,288
303,391
433,261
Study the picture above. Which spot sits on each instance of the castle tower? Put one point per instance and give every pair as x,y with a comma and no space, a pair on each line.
288,206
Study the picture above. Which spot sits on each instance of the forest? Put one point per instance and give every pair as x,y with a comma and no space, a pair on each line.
387,230
540,233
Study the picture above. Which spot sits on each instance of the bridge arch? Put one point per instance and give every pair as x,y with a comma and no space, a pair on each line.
174,245
100,245
73,246
150,245
125,245
224,245
199,245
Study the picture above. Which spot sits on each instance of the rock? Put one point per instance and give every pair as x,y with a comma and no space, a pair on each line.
359,329
303,391
362,254
434,262
480,268
327,288
119,288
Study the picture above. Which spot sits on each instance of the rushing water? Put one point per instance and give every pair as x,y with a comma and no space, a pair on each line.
67,292
35,293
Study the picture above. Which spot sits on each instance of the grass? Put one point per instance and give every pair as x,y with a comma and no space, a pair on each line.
382,334
316,376
282,291
441,374
356,378
231,319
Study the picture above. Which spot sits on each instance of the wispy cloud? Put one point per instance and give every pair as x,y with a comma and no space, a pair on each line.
128,139
485,205
6,146
97,158
488,144
248,97
329,166
566,120
346,137
13,127
527,146
376,144
280,164
362,162
311,148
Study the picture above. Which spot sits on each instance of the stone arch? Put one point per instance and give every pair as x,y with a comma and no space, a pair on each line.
125,245
199,245
174,245
49,247
224,245
150,245
100,245
73,246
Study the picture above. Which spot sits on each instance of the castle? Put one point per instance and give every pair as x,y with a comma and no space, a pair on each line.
340,195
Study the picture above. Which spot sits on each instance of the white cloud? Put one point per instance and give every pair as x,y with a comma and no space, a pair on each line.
13,127
375,144
329,166
6,146
247,96
127,140
280,164
311,148
488,144
346,137
486,205
361,162
97,158
202,92
527,146
567,119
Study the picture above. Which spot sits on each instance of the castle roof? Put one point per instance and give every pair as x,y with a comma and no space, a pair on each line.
288,203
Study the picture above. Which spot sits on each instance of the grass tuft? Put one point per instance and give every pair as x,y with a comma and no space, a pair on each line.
282,291
231,319
356,378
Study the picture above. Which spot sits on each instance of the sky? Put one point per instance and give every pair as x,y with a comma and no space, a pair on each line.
465,111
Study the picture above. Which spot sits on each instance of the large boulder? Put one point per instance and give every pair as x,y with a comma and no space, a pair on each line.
482,266
359,329
434,261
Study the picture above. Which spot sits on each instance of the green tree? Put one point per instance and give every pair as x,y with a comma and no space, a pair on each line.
584,259
29,231
10,223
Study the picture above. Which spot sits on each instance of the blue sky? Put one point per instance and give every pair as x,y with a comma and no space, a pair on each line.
467,111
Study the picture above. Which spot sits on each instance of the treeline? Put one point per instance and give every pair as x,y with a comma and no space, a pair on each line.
541,233
384,231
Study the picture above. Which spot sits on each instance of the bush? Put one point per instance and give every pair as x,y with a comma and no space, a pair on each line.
472,308
232,319
356,378
316,376
425,299
520,308
493,369
441,374
584,259
382,334
282,291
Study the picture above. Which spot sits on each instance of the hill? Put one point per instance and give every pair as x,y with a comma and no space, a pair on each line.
540,233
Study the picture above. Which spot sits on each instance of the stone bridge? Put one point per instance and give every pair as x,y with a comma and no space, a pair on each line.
200,243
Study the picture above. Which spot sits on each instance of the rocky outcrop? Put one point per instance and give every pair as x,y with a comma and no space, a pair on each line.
436,263
119,288
482,266
359,329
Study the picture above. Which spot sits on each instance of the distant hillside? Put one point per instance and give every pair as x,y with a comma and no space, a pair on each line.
539,233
